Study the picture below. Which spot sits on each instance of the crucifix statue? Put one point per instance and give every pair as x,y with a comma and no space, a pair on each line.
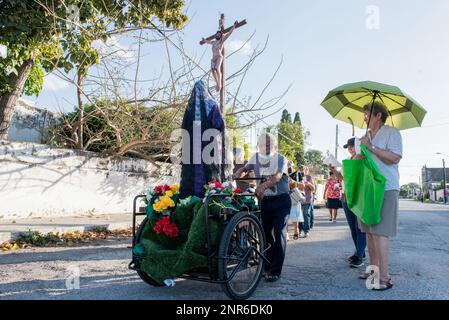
218,55
218,72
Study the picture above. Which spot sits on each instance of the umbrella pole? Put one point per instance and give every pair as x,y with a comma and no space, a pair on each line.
352,124
371,112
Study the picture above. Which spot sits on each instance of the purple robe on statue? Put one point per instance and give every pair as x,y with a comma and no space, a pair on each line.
202,113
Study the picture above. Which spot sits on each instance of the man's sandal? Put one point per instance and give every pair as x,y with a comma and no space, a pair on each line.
272,278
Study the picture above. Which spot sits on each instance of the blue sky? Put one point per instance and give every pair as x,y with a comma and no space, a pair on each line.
325,44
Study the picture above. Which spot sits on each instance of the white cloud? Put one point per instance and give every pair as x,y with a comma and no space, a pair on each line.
246,48
53,83
112,47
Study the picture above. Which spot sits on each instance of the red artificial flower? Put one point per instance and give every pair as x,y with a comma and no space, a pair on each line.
158,227
161,189
216,184
238,190
164,225
158,190
171,230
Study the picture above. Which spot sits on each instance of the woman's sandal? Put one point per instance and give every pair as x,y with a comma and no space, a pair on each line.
365,275
384,286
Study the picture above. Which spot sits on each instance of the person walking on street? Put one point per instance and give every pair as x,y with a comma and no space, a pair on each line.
312,211
358,237
297,198
274,197
332,193
309,189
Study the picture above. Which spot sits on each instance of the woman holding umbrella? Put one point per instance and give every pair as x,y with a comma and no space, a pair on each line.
384,110
385,144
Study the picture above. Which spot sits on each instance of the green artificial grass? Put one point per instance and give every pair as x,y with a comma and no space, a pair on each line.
169,258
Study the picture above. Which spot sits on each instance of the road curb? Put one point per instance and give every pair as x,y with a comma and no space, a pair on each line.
6,236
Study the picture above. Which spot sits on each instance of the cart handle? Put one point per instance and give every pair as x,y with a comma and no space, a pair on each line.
249,179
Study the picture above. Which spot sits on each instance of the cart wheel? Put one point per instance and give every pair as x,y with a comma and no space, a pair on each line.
240,263
144,276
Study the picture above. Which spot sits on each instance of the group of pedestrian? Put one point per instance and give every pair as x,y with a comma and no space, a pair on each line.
288,194
302,193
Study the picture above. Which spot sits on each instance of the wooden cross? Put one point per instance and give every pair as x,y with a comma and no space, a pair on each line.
223,82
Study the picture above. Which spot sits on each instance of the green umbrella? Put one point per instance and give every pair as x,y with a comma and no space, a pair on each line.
346,103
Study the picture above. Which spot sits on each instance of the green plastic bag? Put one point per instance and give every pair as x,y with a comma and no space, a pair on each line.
364,188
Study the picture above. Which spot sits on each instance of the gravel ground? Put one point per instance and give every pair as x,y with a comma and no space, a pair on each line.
315,268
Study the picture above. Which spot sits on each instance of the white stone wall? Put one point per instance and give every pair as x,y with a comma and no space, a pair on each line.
39,181
31,124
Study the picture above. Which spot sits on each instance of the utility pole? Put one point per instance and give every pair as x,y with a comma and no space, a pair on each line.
427,178
336,143
444,178
421,191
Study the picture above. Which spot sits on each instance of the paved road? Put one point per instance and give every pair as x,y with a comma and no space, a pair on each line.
315,268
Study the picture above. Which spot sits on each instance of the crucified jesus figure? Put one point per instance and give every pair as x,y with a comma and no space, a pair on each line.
217,55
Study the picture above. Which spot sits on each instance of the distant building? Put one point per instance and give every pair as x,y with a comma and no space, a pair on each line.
31,124
432,180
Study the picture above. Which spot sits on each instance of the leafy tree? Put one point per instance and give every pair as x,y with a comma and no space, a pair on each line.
233,131
246,151
297,119
39,39
314,159
286,117
304,135
409,189
291,139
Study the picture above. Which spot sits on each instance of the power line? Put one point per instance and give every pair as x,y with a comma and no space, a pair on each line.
436,125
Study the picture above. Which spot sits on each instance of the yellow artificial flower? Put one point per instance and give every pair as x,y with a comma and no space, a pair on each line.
169,193
174,188
158,206
167,201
